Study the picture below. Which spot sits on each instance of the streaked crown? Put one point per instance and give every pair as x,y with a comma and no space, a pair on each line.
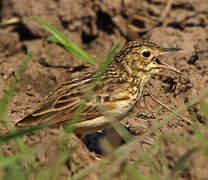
142,58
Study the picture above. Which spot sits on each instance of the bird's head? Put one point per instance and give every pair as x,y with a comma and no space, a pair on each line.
142,57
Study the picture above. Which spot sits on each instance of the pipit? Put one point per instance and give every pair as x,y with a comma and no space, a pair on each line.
115,94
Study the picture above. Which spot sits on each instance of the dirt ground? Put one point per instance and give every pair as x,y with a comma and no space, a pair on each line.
94,25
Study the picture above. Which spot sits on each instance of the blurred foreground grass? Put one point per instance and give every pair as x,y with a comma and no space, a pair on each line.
13,167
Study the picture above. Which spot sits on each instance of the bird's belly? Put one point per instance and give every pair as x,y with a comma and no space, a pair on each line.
111,112
121,108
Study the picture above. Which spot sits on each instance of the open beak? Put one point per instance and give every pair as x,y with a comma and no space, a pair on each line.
163,65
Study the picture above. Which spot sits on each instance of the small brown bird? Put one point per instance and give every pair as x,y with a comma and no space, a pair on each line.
116,93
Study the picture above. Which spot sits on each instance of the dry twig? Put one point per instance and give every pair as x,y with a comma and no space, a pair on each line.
168,108
166,11
146,19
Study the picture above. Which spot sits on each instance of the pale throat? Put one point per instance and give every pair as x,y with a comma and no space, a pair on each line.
135,79
142,77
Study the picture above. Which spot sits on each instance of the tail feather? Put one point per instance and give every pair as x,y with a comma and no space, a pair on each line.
32,119
29,120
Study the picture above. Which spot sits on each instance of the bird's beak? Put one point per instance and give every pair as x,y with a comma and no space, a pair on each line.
163,65
167,50
171,49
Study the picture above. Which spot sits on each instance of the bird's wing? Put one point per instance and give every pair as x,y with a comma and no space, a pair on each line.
59,106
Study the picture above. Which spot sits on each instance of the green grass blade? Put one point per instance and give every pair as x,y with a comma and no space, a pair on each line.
204,107
22,132
134,174
53,39
181,163
63,156
199,135
67,44
84,172
67,48
7,97
5,161
14,171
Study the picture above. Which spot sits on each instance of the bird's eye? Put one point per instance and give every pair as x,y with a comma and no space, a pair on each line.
146,54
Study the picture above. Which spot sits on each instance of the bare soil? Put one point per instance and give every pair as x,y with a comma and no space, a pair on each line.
94,25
